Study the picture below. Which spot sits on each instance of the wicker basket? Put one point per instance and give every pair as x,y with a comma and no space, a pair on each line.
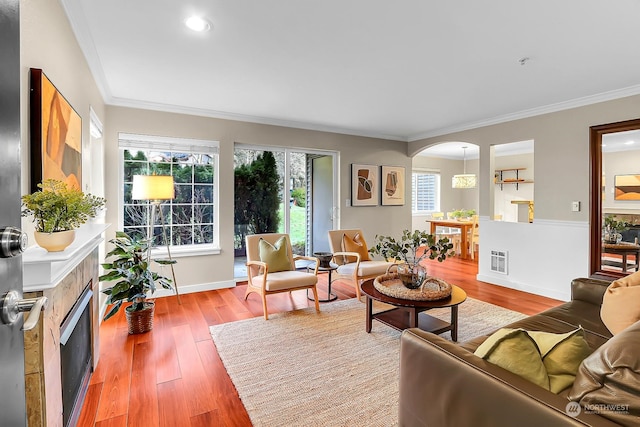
140,321
431,290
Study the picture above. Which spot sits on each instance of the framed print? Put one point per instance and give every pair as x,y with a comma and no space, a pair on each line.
365,188
627,187
393,185
56,135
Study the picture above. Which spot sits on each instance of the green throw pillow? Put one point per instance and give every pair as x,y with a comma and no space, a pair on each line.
562,355
515,351
275,256
532,354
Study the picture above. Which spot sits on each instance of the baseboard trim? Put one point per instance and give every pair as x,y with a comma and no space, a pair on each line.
549,293
189,289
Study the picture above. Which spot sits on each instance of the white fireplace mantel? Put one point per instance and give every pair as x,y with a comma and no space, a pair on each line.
44,270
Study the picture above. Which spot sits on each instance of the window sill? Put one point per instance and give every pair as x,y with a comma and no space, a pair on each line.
183,252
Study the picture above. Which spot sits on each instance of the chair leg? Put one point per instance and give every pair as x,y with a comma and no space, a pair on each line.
264,306
315,298
356,283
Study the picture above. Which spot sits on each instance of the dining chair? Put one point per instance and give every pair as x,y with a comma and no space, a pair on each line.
474,236
271,268
351,254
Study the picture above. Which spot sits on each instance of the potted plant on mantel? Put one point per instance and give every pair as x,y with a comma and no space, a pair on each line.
135,281
411,248
57,211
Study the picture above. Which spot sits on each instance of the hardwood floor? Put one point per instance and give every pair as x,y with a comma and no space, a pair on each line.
173,376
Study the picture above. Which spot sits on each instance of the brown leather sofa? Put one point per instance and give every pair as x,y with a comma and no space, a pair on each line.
444,384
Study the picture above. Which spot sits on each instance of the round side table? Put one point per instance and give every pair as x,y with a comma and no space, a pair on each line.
332,267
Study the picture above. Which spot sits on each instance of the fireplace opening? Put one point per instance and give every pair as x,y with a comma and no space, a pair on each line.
75,356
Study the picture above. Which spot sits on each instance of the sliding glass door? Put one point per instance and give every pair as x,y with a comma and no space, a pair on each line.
302,202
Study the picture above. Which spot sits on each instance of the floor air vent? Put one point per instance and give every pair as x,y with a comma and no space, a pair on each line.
499,261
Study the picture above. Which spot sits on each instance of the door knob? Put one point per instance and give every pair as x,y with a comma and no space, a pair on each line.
12,242
11,306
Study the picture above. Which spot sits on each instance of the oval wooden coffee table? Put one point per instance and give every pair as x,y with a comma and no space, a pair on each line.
409,313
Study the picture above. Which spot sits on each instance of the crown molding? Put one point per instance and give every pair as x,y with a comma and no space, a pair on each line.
551,108
123,102
78,24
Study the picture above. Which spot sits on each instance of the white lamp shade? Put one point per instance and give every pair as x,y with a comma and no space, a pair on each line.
463,181
152,187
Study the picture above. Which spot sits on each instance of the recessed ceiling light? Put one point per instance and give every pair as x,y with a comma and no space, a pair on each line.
197,23
629,143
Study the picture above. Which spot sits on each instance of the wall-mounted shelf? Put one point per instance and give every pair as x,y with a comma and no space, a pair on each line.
501,180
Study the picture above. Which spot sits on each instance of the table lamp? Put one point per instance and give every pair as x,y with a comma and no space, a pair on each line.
156,189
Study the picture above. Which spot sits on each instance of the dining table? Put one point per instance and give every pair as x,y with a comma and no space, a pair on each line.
463,224
623,249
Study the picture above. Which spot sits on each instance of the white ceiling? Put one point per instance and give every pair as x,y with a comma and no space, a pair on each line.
621,141
397,69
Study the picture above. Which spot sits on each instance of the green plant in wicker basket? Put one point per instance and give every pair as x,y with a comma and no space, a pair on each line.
130,267
412,247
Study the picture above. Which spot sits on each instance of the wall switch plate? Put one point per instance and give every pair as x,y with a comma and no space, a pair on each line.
575,206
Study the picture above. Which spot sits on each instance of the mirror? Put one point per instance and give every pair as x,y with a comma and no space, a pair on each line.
597,133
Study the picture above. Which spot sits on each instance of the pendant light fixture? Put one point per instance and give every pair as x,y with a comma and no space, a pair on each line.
464,180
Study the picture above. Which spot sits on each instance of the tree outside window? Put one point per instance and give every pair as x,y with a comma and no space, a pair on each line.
190,217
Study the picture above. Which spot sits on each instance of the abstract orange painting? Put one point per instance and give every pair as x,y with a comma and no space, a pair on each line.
56,135
627,187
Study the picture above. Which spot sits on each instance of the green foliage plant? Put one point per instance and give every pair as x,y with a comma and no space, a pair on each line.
412,247
299,196
58,207
257,197
463,213
130,268
612,224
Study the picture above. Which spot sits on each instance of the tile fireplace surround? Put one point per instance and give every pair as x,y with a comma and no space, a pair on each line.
61,277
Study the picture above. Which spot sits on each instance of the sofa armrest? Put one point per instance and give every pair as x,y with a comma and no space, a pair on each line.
442,384
589,290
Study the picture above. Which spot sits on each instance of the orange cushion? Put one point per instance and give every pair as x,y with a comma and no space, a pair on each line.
355,244
621,303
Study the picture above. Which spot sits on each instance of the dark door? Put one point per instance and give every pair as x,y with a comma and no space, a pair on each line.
12,398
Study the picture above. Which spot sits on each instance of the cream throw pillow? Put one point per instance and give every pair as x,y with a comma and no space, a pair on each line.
275,256
621,303
355,244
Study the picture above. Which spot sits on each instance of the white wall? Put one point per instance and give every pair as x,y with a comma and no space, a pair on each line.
544,256
562,163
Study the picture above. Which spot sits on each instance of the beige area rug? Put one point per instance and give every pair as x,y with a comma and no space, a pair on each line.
301,368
